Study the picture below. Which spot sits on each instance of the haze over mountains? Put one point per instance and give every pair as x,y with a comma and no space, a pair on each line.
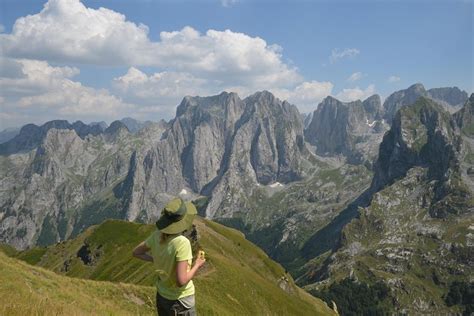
363,189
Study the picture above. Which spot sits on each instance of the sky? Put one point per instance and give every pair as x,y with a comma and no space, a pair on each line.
104,60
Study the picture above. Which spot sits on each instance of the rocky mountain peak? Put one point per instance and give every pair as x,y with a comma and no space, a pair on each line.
342,127
31,135
58,124
134,125
465,117
209,104
115,127
416,88
101,124
373,106
453,96
262,97
83,130
403,97
422,134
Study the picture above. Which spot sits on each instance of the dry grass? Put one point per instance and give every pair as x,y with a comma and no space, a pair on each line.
29,290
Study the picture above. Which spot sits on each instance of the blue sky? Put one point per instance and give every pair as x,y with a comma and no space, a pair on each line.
300,50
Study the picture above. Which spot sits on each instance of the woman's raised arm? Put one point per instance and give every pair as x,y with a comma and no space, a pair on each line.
140,252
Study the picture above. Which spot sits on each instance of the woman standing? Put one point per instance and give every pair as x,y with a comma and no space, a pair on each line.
172,257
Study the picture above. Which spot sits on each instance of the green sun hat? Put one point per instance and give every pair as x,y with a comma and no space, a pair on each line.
176,217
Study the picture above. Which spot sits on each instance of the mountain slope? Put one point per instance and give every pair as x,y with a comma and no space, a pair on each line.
29,290
416,232
238,277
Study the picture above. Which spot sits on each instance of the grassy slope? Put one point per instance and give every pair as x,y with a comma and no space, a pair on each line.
29,290
239,278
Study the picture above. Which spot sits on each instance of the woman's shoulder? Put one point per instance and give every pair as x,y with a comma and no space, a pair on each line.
180,240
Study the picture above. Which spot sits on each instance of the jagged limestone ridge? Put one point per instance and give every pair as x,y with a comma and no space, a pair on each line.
414,234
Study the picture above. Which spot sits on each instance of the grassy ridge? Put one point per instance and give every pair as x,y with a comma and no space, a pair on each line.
238,278
29,290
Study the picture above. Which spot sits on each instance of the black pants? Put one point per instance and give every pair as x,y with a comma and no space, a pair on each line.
166,307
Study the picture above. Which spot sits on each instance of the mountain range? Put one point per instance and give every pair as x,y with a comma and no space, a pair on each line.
361,190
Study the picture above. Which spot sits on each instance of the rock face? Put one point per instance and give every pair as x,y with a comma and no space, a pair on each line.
134,125
217,142
52,191
404,236
422,134
8,134
465,117
351,129
450,98
453,97
267,146
31,135
212,142
401,98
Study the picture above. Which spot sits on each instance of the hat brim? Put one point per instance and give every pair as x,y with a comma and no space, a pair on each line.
165,225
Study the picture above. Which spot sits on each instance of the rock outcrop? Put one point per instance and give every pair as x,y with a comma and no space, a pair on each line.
404,234
450,98
352,129
31,135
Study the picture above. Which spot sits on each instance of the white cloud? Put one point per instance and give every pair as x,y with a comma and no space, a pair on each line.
228,3
355,76
45,92
393,79
307,95
347,95
161,91
187,62
2,28
166,89
67,31
337,54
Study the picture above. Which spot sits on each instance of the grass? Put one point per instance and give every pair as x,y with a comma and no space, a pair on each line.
238,278
29,290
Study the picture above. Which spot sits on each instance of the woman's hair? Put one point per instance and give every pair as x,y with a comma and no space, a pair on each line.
163,237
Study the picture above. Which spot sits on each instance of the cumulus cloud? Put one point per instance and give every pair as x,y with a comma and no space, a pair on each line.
43,92
2,28
186,62
357,93
166,89
355,76
393,79
338,54
306,95
161,91
68,31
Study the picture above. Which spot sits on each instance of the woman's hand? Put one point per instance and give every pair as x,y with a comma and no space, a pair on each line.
183,276
199,262
140,252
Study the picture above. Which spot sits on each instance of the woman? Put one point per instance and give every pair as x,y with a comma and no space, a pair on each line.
172,257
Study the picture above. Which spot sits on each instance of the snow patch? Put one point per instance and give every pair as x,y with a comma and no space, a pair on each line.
276,185
370,124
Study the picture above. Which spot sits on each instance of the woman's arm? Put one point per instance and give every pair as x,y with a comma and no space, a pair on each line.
140,252
183,276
